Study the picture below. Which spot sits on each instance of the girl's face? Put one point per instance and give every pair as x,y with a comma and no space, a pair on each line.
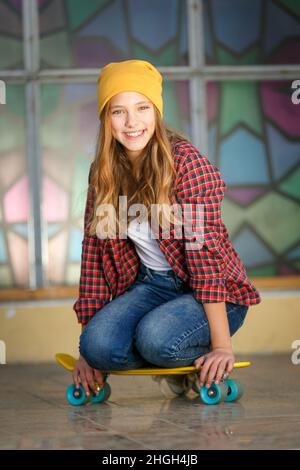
132,120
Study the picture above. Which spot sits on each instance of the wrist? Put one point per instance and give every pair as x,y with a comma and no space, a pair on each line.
227,348
221,343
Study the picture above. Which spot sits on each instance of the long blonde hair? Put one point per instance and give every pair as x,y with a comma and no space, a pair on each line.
149,182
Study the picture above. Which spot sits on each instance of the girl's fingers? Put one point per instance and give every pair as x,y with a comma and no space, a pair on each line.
212,371
199,362
220,371
212,368
204,371
86,378
75,376
85,386
76,381
229,367
98,378
91,381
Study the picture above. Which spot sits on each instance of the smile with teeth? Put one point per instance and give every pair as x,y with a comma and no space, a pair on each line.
134,134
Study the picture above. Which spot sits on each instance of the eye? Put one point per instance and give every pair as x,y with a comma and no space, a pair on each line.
118,111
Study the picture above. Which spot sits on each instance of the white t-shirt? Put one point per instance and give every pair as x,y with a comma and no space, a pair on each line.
146,247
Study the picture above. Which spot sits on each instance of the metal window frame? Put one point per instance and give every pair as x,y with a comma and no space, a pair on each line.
37,237
197,73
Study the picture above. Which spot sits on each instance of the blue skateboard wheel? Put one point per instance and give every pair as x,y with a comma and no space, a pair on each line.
214,394
235,390
75,396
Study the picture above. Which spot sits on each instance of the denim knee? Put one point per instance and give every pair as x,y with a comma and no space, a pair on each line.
157,353
152,346
100,353
93,349
86,347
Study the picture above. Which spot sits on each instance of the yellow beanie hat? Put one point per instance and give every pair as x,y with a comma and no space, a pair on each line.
130,75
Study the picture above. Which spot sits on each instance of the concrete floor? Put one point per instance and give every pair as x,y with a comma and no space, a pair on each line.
35,415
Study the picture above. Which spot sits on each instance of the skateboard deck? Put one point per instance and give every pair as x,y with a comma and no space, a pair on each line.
227,390
68,362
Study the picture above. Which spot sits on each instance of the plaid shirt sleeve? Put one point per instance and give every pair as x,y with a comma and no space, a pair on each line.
93,289
200,182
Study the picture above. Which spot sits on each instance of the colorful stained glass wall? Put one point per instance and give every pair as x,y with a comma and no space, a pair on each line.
240,32
254,130
11,35
253,127
94,32
254,139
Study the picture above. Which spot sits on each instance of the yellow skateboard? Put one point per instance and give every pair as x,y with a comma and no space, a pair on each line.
228,390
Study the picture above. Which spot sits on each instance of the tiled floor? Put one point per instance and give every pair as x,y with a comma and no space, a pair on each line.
35,415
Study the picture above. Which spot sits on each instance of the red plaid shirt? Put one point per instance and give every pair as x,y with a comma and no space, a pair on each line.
215,272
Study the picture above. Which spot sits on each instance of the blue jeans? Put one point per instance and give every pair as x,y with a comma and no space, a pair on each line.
156,322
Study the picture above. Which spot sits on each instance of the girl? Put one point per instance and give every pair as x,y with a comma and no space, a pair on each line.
149,295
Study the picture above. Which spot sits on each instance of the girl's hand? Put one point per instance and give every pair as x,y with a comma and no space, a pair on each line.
214,366
88,377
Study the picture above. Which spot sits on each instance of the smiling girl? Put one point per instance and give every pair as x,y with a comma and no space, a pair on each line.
148,300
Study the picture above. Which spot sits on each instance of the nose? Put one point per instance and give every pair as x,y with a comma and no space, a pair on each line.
131,119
